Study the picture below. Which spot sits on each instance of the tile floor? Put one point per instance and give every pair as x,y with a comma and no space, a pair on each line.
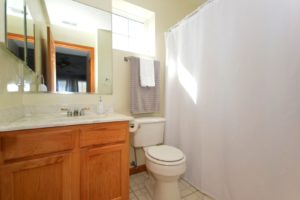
139,192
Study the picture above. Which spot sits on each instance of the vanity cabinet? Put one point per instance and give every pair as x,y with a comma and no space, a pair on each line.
87,162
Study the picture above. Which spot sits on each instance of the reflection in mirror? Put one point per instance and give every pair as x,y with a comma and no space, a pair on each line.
30,61
36,23
78,50
15,30
74,68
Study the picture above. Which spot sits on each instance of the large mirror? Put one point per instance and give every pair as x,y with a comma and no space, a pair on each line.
69,47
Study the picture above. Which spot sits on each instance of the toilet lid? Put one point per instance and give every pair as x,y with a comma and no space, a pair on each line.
165,153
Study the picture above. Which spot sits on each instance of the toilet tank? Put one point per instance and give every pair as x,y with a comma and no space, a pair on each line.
149,132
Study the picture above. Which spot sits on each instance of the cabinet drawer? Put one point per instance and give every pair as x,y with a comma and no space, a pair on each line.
106,133
38,141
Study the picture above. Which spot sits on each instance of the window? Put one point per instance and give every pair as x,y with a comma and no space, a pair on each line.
128,35
133,29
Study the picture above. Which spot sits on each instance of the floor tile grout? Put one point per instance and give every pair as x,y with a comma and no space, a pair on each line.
138,190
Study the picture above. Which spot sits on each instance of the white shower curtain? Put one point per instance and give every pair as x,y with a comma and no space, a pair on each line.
233,98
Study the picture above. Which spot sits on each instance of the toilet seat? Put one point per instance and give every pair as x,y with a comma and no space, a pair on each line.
165,155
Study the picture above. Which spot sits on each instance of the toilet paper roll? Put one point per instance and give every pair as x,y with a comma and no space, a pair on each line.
133,126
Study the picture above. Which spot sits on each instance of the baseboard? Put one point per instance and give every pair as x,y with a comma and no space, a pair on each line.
138,169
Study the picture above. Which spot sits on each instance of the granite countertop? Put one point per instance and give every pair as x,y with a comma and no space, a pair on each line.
55,120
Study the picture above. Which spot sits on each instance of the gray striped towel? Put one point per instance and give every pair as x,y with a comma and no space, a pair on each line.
144,99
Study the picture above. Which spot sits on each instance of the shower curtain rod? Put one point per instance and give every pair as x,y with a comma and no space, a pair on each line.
190,15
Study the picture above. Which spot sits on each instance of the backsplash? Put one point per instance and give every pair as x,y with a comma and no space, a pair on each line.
10,79
56,109
11,72
11,114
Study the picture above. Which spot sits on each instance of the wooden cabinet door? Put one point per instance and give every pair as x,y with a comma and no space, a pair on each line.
46,178
105,173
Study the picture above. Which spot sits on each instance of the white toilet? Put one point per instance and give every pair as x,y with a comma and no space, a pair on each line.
164,163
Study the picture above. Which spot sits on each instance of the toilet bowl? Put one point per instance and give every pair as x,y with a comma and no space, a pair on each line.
164,163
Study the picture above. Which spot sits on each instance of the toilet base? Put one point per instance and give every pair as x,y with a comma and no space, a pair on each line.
166,190
162,188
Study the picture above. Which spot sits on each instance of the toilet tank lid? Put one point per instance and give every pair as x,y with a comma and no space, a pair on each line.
148,120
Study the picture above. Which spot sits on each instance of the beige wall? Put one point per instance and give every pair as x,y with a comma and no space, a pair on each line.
104,58
2,30
73,36
16,25
197,2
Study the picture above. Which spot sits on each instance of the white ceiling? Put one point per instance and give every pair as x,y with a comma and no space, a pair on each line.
100,4
16,8
83,17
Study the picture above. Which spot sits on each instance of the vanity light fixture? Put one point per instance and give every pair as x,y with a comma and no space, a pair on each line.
69,23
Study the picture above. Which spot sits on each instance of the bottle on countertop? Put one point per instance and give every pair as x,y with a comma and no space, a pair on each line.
100,106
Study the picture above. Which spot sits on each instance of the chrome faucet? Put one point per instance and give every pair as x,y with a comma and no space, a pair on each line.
75,112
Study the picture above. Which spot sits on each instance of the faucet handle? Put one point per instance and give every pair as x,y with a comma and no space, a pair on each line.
82,111
75,112
69,111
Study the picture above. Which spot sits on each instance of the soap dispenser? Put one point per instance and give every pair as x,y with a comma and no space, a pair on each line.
100,107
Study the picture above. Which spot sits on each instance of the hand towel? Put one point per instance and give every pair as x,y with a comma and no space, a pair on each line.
147,75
